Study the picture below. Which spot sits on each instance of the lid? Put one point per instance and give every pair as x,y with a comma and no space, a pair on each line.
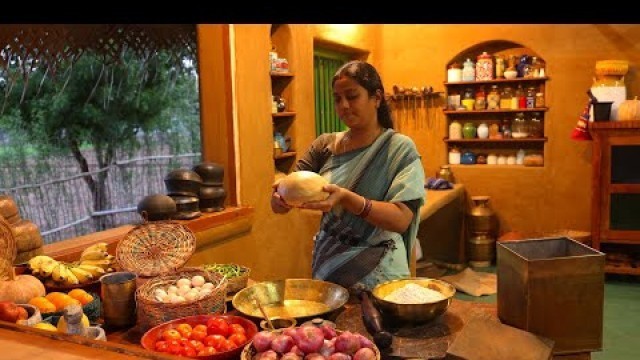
156,248
455,65
484,55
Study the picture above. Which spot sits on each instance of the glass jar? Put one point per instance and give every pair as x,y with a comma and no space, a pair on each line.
519,102
493,98
469,71
445,173
468,99
499,67
484,67
453,100
505,129
455,130
531,97
494,131
519,127
536,128
539,99
481,102
505,98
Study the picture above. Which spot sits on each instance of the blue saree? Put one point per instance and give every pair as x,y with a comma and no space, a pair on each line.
347,249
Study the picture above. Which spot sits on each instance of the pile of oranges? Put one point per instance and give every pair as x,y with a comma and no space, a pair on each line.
57,301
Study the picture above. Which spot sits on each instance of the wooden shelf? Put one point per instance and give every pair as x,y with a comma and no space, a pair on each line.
283,114
613,125
626,270
497,81
476,140
285,155
277,74
501,167
470,112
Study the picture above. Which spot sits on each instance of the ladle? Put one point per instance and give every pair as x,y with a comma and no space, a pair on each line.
263,313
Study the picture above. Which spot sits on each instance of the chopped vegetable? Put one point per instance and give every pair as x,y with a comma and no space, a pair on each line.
228,270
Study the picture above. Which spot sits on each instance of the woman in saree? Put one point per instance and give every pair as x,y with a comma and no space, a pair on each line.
376,186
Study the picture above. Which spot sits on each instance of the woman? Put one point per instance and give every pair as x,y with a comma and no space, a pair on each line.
376,188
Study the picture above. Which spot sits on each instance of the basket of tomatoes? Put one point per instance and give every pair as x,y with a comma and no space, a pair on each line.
205,337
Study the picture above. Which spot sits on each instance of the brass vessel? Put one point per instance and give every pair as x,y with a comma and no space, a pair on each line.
482,233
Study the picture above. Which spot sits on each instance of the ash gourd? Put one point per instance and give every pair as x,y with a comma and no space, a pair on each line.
302,186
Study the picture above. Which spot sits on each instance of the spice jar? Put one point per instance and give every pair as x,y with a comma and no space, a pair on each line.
505,98
454,156
499,67
481,102
493,98
539,99
455,130
531,98
468,71
484,67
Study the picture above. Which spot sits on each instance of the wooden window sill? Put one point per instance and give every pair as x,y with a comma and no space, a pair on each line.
209,228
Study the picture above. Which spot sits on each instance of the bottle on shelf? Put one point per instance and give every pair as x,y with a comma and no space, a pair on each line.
520,99
539,99
505,128
505,98
531,98
499,67
519,127
481,102
494,131
493,98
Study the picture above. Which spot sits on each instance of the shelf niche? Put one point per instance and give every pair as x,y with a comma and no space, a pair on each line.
504,49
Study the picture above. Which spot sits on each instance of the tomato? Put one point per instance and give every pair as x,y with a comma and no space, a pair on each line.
175,349
188,351
238,339
161,346
237,329
171,334
198,334
209,350
218,326
184,329
214,340
226,345
198,345
200,327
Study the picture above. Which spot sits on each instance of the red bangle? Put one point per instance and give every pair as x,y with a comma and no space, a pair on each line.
367,209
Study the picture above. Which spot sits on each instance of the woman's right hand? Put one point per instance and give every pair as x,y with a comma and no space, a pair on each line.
278,205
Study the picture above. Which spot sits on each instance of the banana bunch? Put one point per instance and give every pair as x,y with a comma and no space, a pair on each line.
94,262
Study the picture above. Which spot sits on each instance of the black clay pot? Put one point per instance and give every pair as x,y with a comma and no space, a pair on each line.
212,198
212,174
188,207
183,182
157,207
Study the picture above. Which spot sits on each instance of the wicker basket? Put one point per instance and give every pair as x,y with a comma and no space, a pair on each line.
156,248
234,283
8,250
152,312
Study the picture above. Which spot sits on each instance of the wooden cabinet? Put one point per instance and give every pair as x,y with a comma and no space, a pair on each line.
615,206
282,87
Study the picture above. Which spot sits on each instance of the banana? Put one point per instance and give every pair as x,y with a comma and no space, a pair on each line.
59,273
95,271
71,278
94,255
101,246
82,275
36,263
104,263
47,268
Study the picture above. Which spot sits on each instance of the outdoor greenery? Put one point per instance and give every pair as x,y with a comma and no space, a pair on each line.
92,112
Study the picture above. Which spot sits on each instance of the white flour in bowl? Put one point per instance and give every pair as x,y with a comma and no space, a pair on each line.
414,294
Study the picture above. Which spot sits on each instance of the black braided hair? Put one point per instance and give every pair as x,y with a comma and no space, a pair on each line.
367,76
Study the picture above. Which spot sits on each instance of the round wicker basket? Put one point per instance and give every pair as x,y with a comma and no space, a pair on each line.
235,283
152,312
156,248
8,249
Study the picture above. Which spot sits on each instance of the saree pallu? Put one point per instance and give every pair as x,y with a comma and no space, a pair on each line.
348,250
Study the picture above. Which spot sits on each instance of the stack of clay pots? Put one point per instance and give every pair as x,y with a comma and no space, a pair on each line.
212,193
183,186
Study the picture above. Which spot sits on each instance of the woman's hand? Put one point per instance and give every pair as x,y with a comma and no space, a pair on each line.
278,205
336,194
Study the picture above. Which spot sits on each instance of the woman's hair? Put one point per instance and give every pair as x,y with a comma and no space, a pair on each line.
367,76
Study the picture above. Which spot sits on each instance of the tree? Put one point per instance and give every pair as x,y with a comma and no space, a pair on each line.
93,109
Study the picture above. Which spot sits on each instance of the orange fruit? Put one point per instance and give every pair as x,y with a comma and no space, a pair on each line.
61,300
44,305
81,295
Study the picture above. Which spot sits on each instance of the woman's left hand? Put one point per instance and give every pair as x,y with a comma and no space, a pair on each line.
336,193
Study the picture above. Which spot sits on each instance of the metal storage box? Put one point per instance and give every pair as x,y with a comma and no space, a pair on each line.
553,287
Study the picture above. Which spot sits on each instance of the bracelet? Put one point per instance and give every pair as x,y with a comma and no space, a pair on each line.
367,209
364,206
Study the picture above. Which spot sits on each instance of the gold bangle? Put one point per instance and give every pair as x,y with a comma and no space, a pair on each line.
364,206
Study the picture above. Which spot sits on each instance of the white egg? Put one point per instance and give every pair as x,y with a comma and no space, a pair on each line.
197,281
190,296
207,286
178,299
204,292
184,289
160,293
172,289
169,298
182,282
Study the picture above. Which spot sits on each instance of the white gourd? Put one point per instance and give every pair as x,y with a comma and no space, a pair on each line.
302,186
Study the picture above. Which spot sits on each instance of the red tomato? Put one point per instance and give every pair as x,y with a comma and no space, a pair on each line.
226,345
218,326
198,335
198,345
237,329
200,327
188,351
184,329
238,339
171,334
161,346
209,350
214,340
175,349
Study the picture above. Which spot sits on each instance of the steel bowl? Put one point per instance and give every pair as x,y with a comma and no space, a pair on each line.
401,314
301,299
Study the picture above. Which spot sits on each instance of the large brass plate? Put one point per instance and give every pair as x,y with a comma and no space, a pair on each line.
293,298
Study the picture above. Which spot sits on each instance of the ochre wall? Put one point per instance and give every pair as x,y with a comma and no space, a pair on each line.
530,200
533,199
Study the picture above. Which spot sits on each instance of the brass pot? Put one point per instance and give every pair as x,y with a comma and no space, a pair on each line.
482,219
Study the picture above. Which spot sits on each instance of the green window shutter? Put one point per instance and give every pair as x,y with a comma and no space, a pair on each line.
325,65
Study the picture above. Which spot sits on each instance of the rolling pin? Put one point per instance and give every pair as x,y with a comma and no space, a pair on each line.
373,322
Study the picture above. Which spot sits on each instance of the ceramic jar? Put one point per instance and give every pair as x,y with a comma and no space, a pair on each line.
484,67
483,131
455,130
454,73
492,159
454,156
510,73
469,131
468,158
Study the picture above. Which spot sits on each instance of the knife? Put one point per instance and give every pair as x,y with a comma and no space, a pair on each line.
373,322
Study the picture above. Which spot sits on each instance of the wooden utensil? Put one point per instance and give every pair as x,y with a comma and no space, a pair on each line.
373,322
264,313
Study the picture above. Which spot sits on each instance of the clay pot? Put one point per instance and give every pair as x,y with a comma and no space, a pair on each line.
212,174
212,198
183,182
157,207
188,207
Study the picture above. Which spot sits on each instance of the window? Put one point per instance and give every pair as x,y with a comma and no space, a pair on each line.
325,65
92,118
